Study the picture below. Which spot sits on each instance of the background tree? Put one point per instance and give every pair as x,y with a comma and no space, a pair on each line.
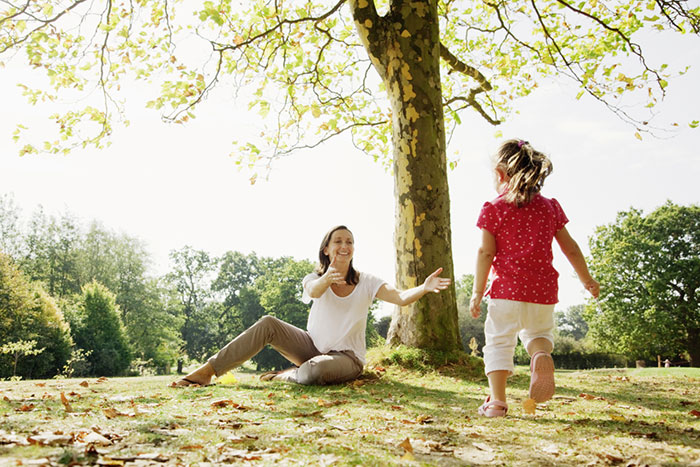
310,66
571,322
100,332
10,229
27,313
191,276
649,269
153,327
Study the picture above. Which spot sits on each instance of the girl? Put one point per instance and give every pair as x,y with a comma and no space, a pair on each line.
332,350
517,231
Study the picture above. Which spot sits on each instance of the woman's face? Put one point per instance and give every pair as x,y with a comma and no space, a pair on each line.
340,247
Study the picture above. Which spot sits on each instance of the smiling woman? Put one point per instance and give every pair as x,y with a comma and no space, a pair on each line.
332,350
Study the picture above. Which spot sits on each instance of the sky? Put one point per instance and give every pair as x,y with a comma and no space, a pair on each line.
175,185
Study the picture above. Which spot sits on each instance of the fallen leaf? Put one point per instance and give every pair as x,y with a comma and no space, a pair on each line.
406,444
110,412
529,406
695,413
192,447
84,384
96,438
325,403
50,439
617,418
474,456
66,404
27,407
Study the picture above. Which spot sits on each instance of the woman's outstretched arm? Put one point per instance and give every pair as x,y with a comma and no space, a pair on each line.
433,283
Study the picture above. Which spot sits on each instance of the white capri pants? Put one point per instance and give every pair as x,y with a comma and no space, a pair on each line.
505,322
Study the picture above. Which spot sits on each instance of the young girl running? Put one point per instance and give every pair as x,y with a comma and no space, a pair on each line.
517,231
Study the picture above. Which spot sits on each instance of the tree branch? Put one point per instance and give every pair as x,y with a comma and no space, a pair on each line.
281,23
462,67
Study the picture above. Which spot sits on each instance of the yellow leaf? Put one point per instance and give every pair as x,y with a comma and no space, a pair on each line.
228,378
407,446
405,33
529,406
408,457
316,112
637,135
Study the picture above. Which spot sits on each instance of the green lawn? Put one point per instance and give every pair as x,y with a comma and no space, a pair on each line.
601,417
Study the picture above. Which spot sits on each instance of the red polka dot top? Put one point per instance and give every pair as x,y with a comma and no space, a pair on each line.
522,269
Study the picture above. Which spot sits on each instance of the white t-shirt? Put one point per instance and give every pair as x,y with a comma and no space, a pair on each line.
338,323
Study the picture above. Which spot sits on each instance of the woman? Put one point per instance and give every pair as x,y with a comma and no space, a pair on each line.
332,350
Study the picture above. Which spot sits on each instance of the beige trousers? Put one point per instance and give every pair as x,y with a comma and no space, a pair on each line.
296,346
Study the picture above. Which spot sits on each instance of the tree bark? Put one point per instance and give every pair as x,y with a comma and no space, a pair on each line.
404,46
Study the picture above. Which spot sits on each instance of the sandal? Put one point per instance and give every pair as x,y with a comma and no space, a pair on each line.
493,409
541,377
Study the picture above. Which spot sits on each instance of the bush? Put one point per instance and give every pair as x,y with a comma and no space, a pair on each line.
101,332
28,313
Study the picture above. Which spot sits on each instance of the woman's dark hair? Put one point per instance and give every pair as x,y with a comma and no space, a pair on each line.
352,277
525,168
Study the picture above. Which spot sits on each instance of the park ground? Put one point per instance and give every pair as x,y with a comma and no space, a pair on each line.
392,416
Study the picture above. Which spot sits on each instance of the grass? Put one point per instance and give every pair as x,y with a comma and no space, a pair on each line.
600,417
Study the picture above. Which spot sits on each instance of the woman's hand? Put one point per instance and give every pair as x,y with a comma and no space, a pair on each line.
434,283
333,276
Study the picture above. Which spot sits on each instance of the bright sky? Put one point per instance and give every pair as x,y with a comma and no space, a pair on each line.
173,185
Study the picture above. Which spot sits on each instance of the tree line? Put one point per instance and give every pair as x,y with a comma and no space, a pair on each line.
79,300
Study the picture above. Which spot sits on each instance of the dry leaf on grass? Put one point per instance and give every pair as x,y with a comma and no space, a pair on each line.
529,406
325,403
95,438
50,439
406,444
695,413
66,404
84,384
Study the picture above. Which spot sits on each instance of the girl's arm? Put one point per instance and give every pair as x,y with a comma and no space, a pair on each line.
573,253
484,259
433,283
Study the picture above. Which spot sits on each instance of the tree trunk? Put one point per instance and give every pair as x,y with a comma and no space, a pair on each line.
405,49
694,347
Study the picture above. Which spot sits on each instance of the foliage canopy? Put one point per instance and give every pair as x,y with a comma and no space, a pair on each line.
306,64
649,269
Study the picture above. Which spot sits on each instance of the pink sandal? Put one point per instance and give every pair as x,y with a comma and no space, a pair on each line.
541,377
493,409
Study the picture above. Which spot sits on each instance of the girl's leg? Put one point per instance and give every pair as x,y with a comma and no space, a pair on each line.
538,321
497,384
501,328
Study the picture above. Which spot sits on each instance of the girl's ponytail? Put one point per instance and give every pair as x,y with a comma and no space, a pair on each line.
525,168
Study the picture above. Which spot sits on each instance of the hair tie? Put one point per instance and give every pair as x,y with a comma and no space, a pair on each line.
522,143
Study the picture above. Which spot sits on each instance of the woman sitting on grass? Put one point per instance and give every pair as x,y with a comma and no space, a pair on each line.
332,350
